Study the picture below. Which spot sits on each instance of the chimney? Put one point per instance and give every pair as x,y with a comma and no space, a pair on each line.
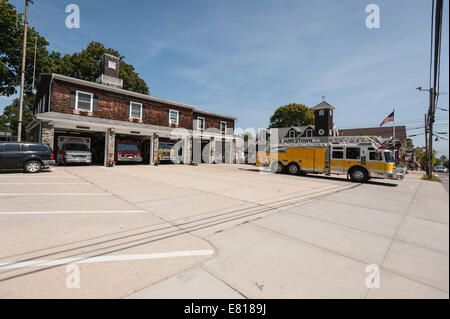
110,71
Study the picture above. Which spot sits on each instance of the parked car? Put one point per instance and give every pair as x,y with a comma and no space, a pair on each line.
31,157
440,169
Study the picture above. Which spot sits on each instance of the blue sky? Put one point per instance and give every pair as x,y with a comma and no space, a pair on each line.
245,58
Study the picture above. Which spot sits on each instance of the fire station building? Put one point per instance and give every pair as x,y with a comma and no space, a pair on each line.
105,112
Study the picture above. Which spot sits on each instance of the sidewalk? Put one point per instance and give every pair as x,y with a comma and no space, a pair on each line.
321,249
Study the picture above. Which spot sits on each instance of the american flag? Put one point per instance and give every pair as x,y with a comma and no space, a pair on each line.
389,118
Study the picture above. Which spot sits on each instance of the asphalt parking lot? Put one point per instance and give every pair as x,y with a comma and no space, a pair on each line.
127,227
215,231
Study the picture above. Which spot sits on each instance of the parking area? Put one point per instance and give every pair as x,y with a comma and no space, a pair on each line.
127,227
213,231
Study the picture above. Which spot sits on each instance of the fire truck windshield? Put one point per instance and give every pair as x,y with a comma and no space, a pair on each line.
75,147
128,147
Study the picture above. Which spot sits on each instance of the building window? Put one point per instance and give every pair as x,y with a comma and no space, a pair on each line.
112,65
136,110
308,133
321,112
83,101
223,126
201,123
173,117
291,133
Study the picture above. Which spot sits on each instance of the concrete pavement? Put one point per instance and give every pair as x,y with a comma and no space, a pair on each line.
321,248
128,227
219,231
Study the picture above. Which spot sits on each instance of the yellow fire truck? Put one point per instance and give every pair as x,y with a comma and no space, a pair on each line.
165,151
360,158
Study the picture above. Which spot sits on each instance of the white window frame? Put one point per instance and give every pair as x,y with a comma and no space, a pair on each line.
226,126
178,117
309,132
140,113
289,134
76,101
198,123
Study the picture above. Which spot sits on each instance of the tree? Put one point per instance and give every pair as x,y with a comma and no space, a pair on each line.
11,40
292,115
10,117
422,158
409,144
85,65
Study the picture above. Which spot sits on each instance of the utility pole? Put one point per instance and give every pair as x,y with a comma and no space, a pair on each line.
22,78
426,144
430,134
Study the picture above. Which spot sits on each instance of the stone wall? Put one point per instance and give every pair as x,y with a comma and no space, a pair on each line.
47,133
110,144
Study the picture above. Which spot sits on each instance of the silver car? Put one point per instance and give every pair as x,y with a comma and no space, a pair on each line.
76,153
440,169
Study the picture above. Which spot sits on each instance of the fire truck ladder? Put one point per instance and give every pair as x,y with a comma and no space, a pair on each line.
375,140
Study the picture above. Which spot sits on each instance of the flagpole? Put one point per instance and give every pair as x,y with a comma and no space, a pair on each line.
393,125
393,129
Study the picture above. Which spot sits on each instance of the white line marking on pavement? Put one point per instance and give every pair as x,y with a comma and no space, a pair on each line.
39,176
44,183
84,260
55,194
77,212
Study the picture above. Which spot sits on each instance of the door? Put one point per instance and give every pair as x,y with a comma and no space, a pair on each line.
352,157
337,160
376,162
11,155
319,160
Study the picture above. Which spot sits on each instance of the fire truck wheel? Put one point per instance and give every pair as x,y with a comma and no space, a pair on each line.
277,168
359,175
294,169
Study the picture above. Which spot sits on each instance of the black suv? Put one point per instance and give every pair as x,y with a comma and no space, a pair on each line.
32,157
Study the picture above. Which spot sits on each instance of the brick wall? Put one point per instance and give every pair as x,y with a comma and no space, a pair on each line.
113,106
213,121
